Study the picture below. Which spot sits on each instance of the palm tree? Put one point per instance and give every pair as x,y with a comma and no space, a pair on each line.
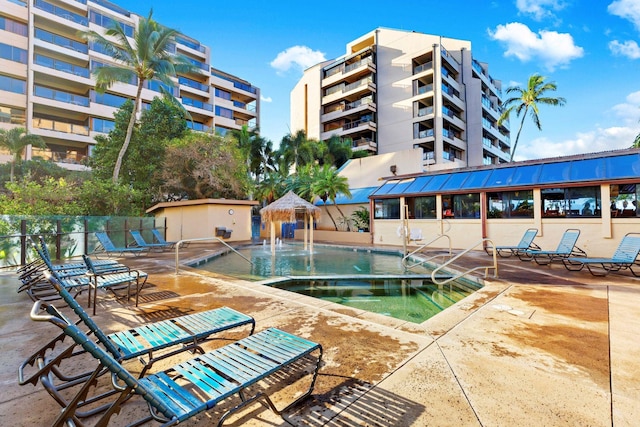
527,100
15,141
296,150
327,184
149,57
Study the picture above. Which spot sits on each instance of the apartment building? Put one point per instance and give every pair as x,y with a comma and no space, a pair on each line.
46,85
397,90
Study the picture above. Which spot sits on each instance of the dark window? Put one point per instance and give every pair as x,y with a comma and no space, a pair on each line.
387,209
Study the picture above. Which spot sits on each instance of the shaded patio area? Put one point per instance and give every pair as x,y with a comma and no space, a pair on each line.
539,346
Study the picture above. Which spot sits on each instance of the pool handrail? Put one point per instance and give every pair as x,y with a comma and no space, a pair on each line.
438,237
202,239
464,273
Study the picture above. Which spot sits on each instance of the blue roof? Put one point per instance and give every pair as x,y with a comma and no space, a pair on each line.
358,195
593,168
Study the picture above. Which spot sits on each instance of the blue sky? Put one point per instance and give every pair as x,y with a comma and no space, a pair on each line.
590,49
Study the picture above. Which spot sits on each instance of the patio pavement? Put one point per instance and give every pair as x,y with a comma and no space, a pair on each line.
540,346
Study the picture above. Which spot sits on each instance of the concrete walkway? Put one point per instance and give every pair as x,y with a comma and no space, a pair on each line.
539,346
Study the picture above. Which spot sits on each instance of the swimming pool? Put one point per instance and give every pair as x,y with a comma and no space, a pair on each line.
366,279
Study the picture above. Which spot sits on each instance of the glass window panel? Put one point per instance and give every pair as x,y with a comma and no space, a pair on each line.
477,179
455,181
435,183
417,185
422,207
555,172
387,209
500,177
525,175
587,170
623,166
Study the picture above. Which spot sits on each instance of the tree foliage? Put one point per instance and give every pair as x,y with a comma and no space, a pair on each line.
201,166
150,57
526,100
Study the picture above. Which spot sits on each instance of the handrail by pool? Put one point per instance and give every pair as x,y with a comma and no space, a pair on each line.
200,239
406,257
486,268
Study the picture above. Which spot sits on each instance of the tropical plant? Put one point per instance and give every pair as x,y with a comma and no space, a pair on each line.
150,57
360,218
15,141
526,100
326,185
295,151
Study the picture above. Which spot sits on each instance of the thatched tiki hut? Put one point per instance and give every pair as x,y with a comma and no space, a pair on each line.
285,209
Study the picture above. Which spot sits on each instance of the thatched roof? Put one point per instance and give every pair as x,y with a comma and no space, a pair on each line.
286,207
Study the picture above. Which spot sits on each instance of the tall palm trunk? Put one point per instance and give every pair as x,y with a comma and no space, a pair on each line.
127,138
515,144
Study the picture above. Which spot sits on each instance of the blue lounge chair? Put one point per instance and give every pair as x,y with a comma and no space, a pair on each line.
624,258
526,242
148,343
106,246
160,239
141,243
566,248
194,386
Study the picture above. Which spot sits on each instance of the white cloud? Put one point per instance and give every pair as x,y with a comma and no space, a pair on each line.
300,57
630,49
265,98
626,9
539,9
551,48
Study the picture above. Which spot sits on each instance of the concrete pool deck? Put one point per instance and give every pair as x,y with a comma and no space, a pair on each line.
538,346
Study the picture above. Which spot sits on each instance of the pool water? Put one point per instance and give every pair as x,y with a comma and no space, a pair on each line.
412,300
292,260
370,280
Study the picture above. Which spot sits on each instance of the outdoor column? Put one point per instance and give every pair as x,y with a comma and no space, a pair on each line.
273,238
306,232
311,235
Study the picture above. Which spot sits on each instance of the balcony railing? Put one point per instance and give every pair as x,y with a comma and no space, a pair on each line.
59,95
193,84
66,67
197,104
424,89
61,41
423,67
61,12
60,126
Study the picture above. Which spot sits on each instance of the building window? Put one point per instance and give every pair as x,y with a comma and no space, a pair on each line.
13,26
13,85
624,200
461,206
571,202
510,204
102,125
422,207
15,116
224,112
13,53
223,94
387,209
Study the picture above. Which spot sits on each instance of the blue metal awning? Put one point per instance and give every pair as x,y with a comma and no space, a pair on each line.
589,169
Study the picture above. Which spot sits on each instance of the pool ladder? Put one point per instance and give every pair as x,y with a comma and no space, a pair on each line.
202,239
486,268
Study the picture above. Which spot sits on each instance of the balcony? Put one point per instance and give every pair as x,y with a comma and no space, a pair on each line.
193,84
59,126
63,66
197,104
62,96
61,12
61,41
